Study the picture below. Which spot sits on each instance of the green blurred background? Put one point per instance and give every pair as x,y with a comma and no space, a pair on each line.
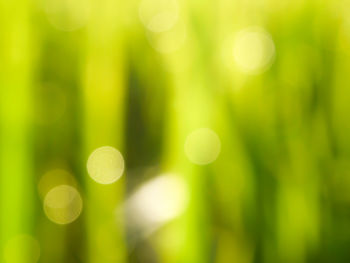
174,131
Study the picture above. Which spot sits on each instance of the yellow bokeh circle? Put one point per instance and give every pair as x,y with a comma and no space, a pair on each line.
63,204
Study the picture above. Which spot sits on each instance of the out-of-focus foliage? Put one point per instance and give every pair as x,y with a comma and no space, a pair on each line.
174,131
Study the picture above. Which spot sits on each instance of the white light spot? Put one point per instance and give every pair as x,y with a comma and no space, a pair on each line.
22,248
158,15
202,146
160,200
63,204
105,165
67,15
253,50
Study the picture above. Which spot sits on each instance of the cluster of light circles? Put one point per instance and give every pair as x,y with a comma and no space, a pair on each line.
157,201
166,32
62,201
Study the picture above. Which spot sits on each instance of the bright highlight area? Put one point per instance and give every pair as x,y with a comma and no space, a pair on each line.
22,248
160,199
63,204
253,50
202,146
105,165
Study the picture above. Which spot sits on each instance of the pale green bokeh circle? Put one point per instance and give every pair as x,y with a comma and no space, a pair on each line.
63,204
253,50
105,165
202,146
